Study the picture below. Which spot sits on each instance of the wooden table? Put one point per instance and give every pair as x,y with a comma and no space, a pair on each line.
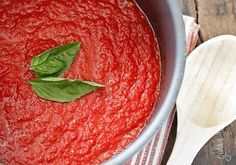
216,17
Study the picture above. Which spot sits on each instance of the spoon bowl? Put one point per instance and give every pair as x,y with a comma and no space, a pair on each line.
206,101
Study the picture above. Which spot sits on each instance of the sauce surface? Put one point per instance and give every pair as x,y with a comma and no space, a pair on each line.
118,49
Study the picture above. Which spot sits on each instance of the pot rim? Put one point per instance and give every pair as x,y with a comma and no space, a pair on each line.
169,101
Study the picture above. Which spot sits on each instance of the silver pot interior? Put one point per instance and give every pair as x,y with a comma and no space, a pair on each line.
167,22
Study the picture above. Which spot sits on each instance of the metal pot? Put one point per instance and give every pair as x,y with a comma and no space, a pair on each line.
167,22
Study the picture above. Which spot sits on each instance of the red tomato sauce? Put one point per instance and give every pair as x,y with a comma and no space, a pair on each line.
118,50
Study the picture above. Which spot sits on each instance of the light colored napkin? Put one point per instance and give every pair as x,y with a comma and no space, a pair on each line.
153,152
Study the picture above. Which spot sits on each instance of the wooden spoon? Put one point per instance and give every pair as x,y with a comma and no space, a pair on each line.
207,99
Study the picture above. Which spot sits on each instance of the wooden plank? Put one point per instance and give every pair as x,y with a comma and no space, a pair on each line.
188,7
221,149
216,17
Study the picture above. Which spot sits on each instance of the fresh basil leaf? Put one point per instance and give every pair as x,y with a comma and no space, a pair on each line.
61,89
55,61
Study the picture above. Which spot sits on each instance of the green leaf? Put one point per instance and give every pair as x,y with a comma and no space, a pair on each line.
55,61
61,89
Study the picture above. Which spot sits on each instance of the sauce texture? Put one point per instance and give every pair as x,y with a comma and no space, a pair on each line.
118,50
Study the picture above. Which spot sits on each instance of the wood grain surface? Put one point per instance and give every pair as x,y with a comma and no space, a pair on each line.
215,17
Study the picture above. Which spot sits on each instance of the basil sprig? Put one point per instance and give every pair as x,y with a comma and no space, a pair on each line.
55,61
61,89
52,63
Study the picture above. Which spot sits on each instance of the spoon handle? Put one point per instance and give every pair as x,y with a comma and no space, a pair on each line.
189,140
